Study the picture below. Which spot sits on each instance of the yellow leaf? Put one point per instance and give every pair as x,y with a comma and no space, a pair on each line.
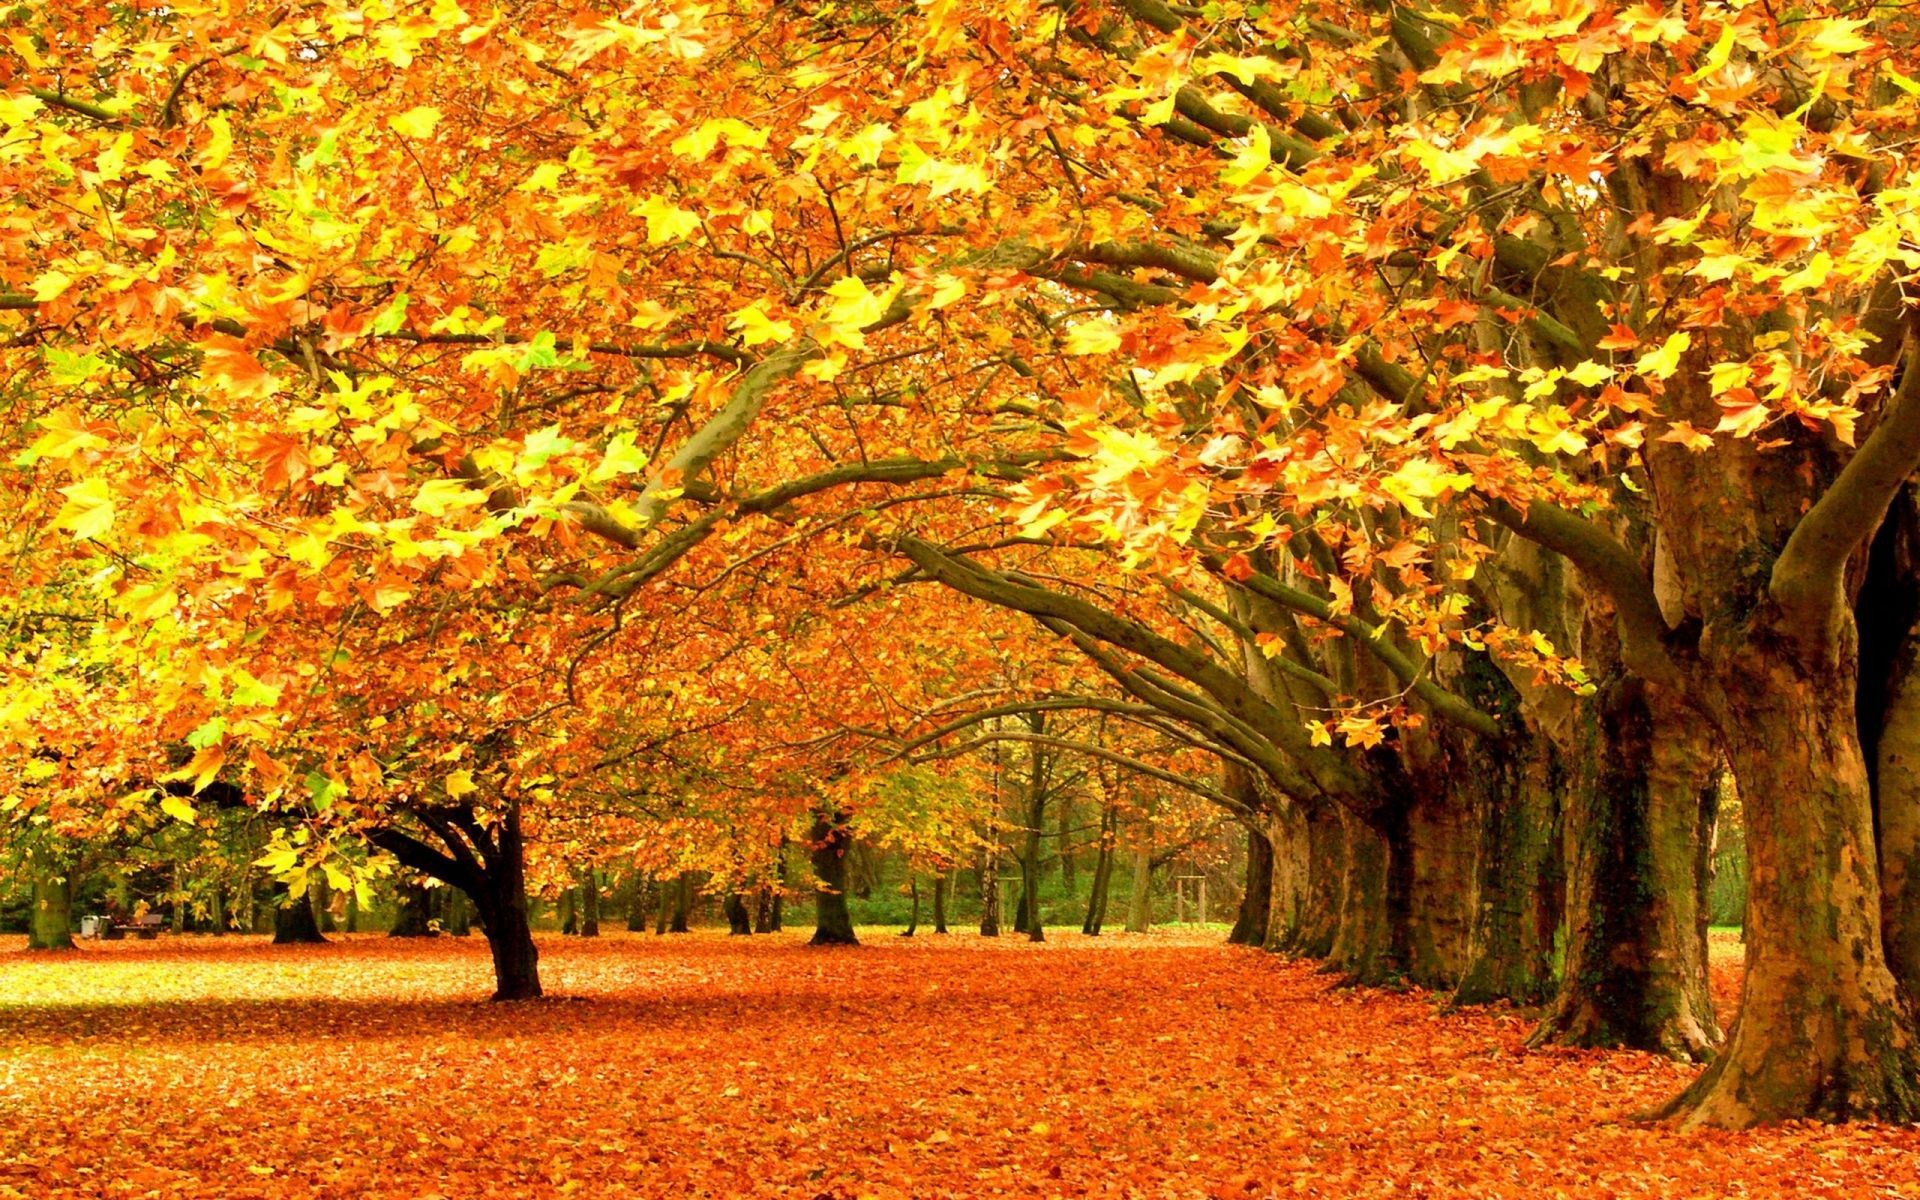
1093,337
88,512
460,783
1661,363
49,284
417,122
1718,56
756,328
178,809
1254,157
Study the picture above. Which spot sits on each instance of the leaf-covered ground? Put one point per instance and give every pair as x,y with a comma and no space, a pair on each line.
699,1066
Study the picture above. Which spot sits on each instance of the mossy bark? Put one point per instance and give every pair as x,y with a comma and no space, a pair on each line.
50,924
1638,822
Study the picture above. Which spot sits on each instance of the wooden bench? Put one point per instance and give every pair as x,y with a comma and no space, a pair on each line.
107,929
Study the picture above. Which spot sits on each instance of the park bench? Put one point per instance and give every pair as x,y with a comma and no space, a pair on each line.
107,929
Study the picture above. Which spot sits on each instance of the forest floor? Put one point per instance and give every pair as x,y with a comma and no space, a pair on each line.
1149,1066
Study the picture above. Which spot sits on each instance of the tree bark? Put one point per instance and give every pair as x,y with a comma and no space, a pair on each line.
739,920
940,884
502,904
1369,939
1511,954
50,927
590,903
1102,874
913,915
1324,863
990,891
1139,900
1637,824
1822,1029
293,922
1250,924
682,904
830,840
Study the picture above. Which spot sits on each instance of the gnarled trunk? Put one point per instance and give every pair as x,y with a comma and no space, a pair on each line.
1511,953
1822,1029
1638,820
1369,942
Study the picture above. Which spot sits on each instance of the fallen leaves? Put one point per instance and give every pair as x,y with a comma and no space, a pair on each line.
704,1066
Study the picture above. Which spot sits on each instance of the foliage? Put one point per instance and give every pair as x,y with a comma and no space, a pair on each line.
1004,1067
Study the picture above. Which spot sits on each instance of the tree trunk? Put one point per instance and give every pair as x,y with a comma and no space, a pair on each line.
1250,924
50,927
940,883
590,903
1447,838
1637,825
1038,769
502,904
832,923
1368,943
1822,1029
990,891
415,918
1325,866
317,885
763,909
682,904
569,910
456,912
637,901
1520,884
1063,838
739,920
1102,875
293,922
913,915
1139,901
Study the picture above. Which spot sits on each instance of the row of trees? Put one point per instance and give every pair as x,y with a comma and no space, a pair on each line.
1447,439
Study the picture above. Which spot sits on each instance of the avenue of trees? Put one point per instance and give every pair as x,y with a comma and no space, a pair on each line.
1464,446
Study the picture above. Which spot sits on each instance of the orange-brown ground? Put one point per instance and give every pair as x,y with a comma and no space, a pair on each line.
702,1066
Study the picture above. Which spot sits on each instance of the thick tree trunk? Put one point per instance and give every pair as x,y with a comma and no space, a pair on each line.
1139,901
50,926
1325,861
1446,832
913,915
1250,925
940,885
1289,875
293,922
1638,819
1822,1029
502,903
739,920
832,923
1521,890
415,918
1369,942
763,910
